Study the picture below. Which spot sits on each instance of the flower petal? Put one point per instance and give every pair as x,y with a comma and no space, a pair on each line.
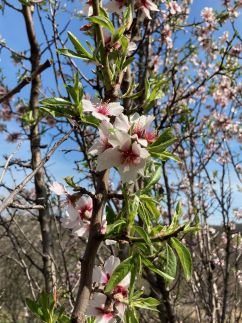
115,109
99,276
108,159
110,264
57,188
87,105
122,123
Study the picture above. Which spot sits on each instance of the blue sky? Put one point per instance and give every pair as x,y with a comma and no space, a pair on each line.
12,29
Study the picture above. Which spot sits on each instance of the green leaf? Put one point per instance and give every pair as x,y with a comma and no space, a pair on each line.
34,307
131,316
78,46
55,102
144,214
150,205
113,228
153,268
161,147
143,234
166,136
111,215
184,256
135,272
154,179
148,303
59,111
90,120
119,273
103,22
177,215
69,180
70,53
165,155
170,262
133,208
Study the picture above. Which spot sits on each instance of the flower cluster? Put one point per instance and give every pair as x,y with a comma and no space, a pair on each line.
118,6
123,145
106,308
78,212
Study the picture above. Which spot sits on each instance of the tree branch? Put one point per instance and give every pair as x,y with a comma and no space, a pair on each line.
10,198
27,80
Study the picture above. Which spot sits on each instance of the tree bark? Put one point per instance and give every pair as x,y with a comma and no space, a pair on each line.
39,179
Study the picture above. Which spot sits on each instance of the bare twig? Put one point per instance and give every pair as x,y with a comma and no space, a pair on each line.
7,164
10,198
27,80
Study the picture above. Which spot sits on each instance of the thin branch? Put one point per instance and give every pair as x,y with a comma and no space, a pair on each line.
10,198
27,80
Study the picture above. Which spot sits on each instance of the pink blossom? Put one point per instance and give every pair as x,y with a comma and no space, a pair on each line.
146,6
84,207
102,110
87,9
140,128
116,6
102,276
119,295
174,7
128,157
58,189
97,307
208,15
78,216
102,143
137,124
166,35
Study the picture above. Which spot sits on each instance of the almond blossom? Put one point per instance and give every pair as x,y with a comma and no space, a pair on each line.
78,216
58,189
126,155
174,7
116,6
102,110
97,307
87,9
166,36
102,143
146,6
208,15
138,125
118,298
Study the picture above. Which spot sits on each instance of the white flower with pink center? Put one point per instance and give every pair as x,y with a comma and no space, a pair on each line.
87,9
116,6
84,207
102,110
102,143
97,307
174,7
119,295
146,6
78,216
138,125
126,155
208,15
58,189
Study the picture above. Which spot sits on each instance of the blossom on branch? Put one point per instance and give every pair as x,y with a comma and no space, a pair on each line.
78,216
118,299
58,189
102,110
146,6
97,307
116,6
138,125
126,155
